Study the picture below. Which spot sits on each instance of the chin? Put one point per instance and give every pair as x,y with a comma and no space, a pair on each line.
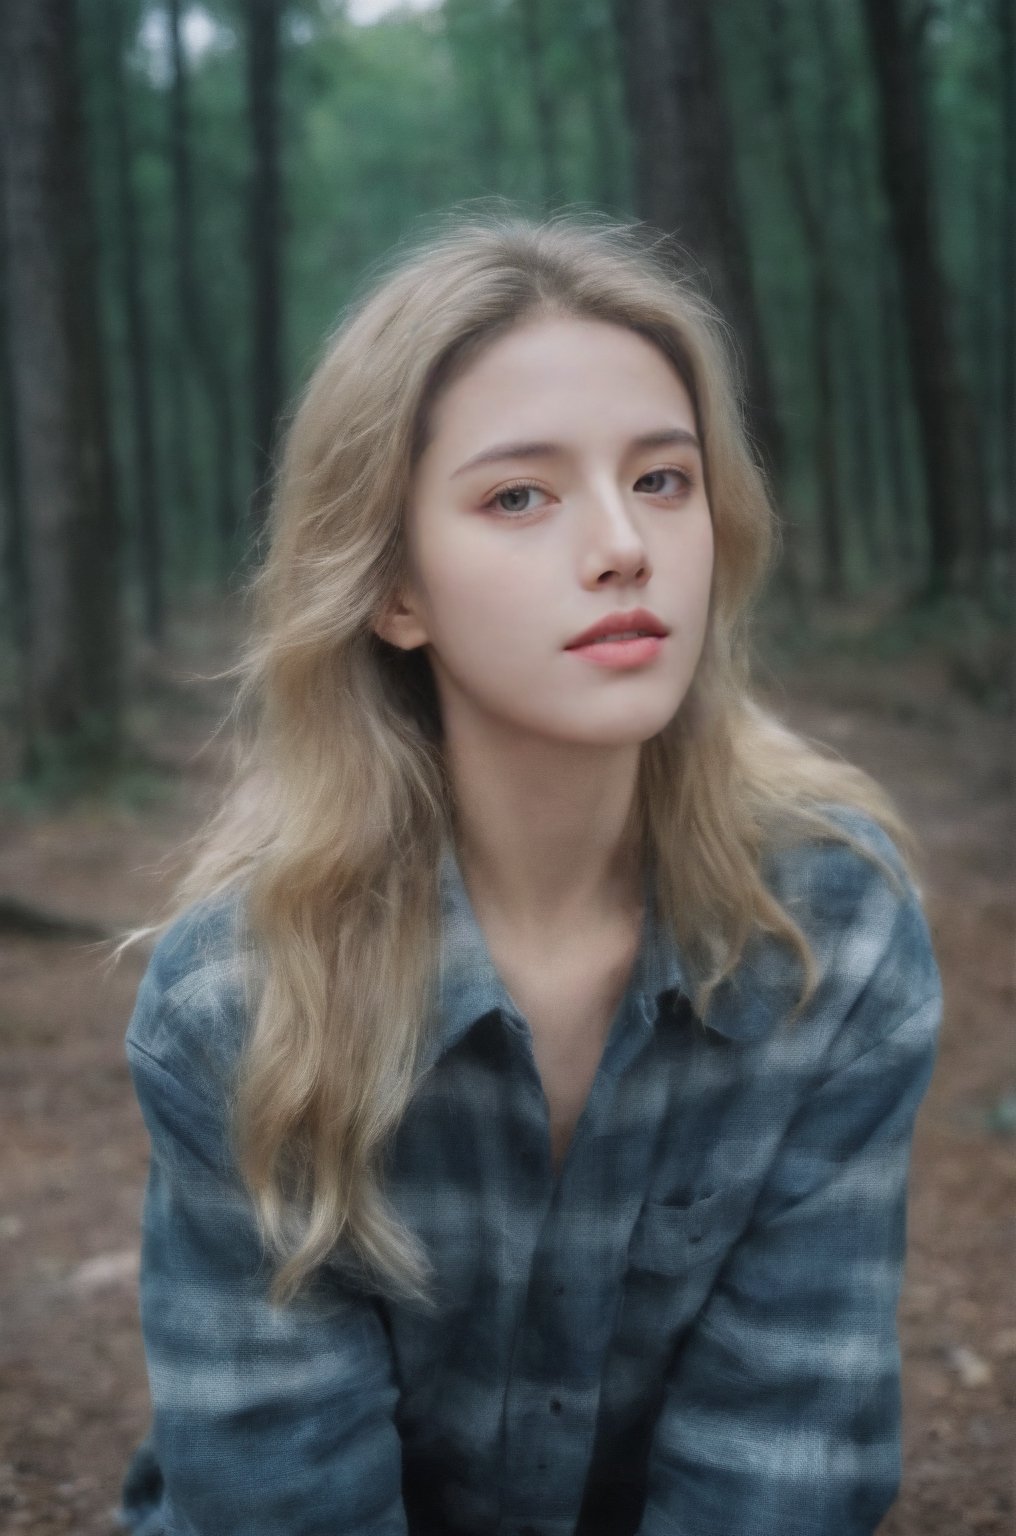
632,731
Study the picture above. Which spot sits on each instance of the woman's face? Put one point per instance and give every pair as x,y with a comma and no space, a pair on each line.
536,511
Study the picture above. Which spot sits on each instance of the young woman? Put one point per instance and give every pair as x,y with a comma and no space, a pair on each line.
531,1065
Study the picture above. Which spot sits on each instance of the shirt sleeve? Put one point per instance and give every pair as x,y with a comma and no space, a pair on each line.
781,1412
264,1418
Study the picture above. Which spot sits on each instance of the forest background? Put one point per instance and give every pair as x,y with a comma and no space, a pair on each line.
191,193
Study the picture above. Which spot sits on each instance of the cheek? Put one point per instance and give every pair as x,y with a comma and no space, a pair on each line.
481,595
708,561
690,567
474,620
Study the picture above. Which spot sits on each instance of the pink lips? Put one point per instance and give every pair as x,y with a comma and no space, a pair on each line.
620,653
620,623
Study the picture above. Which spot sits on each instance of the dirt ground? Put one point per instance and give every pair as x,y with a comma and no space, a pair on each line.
73,1395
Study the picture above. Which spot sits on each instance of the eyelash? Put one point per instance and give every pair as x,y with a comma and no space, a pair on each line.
531,485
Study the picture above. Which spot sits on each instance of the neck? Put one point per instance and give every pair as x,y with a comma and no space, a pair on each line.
540,830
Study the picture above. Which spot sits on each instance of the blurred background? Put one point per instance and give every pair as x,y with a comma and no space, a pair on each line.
191,193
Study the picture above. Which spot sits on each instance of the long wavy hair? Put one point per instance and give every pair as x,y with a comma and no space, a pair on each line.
334,824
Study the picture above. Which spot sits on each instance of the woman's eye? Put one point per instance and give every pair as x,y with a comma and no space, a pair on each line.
512,499
681,475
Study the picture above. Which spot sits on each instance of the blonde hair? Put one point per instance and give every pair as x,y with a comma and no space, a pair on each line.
334,825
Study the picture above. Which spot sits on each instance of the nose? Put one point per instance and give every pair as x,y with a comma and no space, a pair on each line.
611,540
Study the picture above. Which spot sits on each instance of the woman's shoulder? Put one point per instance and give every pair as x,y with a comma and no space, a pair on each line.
194,1001
828,874
861,910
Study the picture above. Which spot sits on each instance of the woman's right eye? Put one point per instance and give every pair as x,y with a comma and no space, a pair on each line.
520,488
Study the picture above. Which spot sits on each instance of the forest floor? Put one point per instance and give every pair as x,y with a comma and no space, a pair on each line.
73,1151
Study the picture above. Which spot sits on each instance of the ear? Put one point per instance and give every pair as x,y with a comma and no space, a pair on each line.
399,625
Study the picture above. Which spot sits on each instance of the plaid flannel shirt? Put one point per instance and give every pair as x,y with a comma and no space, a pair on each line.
691,1331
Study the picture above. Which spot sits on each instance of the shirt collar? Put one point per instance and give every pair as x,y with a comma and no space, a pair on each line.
744,1008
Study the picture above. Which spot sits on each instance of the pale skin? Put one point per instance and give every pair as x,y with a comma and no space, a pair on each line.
510,560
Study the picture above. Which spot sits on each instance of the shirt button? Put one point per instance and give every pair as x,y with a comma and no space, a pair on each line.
559,1290
555,1405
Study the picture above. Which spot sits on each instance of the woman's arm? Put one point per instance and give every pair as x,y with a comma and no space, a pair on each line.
267,1419
781,1413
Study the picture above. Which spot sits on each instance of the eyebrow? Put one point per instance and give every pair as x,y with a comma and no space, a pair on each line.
663,437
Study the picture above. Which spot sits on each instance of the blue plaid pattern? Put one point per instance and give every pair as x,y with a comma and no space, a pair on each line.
691,1331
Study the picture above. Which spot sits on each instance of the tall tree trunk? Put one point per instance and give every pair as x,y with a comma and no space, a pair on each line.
685,179
1007,52
643,45
823,308
266,224
194,319
853,300
534,52
863,498
186,517
476,33
146,484
981,336
63,443
895,395
13,553
953,473
596,43
12,518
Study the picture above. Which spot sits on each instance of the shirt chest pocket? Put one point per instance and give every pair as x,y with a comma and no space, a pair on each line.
671,1239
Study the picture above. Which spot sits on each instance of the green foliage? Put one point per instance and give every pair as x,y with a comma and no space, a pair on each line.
59,767
60,775
975,641
965,86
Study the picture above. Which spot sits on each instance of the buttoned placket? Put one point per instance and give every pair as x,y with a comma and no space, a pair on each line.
550,1422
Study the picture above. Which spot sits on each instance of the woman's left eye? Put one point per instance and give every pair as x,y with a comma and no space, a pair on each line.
682,476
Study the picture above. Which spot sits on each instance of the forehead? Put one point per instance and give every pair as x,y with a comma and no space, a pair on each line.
576,371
